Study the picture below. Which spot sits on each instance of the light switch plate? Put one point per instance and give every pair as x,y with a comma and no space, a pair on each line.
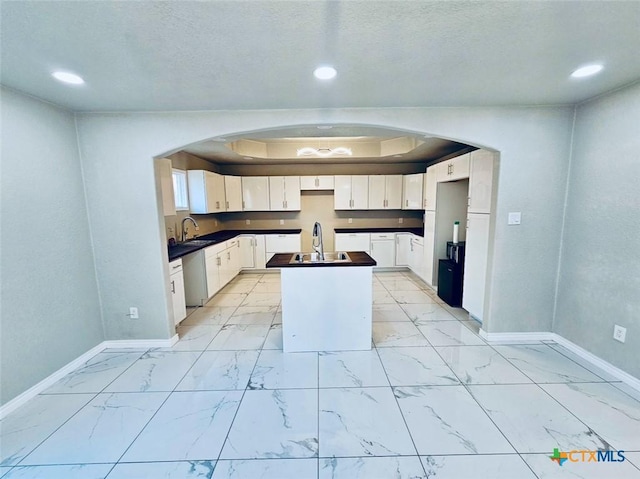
515,218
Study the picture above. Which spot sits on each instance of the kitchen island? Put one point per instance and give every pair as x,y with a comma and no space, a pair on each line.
326,306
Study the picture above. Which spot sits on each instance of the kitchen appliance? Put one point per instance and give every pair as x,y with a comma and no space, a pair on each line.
450,282
455,252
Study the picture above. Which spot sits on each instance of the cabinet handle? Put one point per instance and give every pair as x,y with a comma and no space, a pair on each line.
317,182
176,267
227,204
218,261
406,202
242,204
173,287
228,255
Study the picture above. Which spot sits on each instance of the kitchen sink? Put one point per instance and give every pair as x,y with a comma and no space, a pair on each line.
197,242
331,257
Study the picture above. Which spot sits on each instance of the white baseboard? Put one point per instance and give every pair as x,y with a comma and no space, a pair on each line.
47,382
506,338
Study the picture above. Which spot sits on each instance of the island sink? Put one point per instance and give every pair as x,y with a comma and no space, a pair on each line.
333,257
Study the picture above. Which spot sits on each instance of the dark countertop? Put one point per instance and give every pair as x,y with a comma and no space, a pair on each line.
183,249
415,231
358,258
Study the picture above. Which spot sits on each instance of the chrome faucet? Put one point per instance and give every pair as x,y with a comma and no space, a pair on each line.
185,230
317,236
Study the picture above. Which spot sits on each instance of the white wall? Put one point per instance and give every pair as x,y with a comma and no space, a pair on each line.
50,306
599,283
117,151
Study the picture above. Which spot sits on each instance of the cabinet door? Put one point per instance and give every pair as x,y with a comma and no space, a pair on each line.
292,193
285,243
255,193
323,182
377,197
384,252
402,249
260,252
460,167
412,192
393,192
214,188
416,262
430,188
429,246
213,264
360,192
247,252
342,195
352,242
165,174
475,264
233,193
276,193
233,258
480,181
178,297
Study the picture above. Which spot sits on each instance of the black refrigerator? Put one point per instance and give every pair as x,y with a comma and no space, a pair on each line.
450,274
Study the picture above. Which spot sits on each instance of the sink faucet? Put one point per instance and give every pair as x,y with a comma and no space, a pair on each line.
184,230
317,236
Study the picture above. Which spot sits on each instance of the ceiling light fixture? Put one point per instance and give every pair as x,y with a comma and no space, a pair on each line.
325,73
324,152
67,77
587,71
324,127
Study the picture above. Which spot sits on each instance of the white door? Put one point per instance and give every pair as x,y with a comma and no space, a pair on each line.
480,181
247,252
276,193
377,196
342,192
412,192
233,193
475,264
292,193
429,245
360,192
393,192
383,251
402,249
430,188
255,193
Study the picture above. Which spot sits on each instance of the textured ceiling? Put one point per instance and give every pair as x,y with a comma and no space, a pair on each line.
208,55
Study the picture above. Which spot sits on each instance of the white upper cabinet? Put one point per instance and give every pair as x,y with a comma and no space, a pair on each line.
284,193
480,181
165,175
412,192
233,193
385,192
351,192
455,169
255,193
430,188
316,182
206,192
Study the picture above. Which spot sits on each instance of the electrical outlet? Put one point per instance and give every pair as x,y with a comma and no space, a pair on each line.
350,220
216,222
133,313
281,222
400,221
514,218
247,222
619,333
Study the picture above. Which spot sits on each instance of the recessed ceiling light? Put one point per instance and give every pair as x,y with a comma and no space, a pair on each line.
586,71
325,73
67,77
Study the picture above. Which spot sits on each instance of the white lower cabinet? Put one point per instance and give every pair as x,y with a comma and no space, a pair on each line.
352,242
383,249
429,246
281,243
402,249
247,251
416,255
213,265
177,291
475,267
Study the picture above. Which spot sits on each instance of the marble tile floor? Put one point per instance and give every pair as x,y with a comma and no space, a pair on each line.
431,399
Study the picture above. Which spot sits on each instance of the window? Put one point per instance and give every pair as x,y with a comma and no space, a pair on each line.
180,189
